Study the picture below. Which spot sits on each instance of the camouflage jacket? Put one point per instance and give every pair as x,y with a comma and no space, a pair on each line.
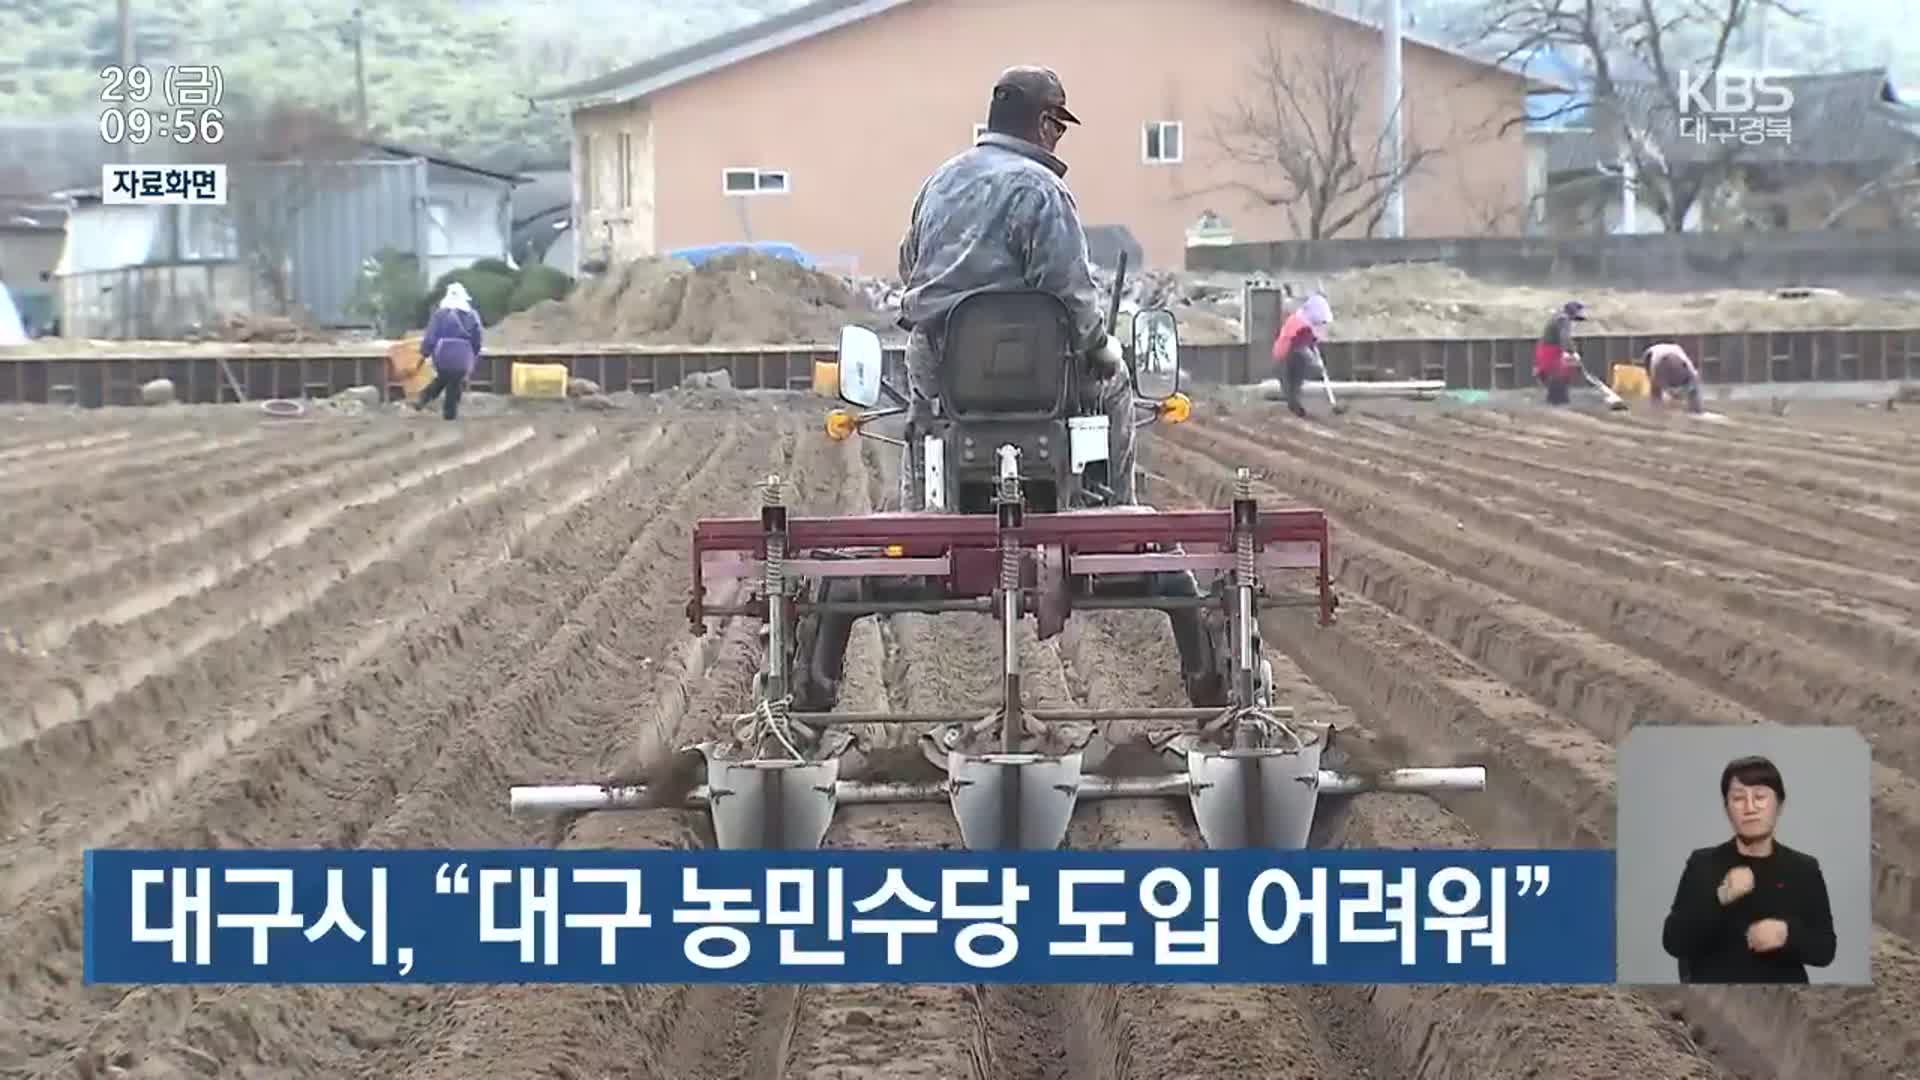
997,216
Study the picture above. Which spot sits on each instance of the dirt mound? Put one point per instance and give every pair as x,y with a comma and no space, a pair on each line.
1433,300
740,299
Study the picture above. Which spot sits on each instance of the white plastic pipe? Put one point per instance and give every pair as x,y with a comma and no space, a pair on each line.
565,798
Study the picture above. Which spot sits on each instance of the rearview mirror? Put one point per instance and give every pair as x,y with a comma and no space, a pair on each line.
860,359
1156,354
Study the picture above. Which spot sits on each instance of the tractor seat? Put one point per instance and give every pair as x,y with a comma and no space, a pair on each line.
1007,354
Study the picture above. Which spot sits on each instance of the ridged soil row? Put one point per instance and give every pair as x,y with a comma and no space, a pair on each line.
1456,1031
32,470
1703,494
27,439
1605,688
313,760
1870,440
153,716
91,629
78,552
650,1030
68,534
1745,659
1744,473
1190,1031
1706,662
151,466
952,662
531,669
920,1032
1839,616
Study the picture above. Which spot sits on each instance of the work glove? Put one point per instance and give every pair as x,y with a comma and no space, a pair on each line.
1106,358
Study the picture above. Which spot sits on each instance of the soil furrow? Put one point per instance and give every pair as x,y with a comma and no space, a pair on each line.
151,465
1857,448
928,1032
1609,687
1811,553
1811,601
107,723
85,549
1186,1031
91,454
1783,678
1695,493
55,632
1550,783
54,438
721,1031
378,772
1725,470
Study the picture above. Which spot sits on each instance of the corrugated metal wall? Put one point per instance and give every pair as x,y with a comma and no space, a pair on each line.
346,212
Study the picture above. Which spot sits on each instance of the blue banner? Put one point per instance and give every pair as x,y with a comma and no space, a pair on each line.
320,916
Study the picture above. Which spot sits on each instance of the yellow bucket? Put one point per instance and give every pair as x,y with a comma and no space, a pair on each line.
826,378
1630,381
406,367
540,381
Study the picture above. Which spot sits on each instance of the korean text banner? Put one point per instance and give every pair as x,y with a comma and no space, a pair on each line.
319,916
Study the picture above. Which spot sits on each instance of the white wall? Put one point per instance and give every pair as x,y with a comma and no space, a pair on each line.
467,220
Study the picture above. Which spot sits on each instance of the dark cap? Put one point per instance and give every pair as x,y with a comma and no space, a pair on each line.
1038,85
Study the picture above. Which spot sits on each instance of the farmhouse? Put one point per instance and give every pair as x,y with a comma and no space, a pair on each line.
816,128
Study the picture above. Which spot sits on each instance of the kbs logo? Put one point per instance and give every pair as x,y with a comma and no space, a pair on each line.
1726,106
1733,92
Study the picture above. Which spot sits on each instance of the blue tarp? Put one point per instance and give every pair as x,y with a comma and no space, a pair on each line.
698,255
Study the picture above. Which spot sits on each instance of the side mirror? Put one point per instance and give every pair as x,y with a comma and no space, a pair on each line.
860,362
1156,354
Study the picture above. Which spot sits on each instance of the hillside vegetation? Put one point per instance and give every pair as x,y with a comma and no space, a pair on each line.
455,74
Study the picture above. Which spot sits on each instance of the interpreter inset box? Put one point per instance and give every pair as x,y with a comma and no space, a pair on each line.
1743,855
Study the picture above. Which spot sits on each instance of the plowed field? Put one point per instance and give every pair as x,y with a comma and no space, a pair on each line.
361,632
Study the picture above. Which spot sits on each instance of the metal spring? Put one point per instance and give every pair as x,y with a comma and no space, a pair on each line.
1010,569
1243,544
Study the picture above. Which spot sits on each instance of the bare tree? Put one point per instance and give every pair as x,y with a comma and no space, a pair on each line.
1637,52
1307,132
280,161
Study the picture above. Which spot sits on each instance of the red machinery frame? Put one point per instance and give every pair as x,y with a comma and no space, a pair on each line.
963,550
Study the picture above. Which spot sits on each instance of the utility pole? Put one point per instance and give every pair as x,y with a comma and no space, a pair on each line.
124,27
1395,219
359,68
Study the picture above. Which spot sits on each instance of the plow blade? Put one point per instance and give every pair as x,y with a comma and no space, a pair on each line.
1013,801
1255,798
775,804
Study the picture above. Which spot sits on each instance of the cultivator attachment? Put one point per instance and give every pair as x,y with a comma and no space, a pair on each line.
1252,773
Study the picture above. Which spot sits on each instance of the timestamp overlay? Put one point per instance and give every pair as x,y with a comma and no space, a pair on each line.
146,108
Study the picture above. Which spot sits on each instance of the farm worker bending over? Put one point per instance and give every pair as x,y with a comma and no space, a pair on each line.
452,342
1554,361
999,215
1297,349
1670,368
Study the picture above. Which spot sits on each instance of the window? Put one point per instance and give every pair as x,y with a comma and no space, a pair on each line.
979,130
1160,142
754,182
625,179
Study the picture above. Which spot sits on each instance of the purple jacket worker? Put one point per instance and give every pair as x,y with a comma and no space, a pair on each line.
452,342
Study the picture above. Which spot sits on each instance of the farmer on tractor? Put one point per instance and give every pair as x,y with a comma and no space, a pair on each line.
999,215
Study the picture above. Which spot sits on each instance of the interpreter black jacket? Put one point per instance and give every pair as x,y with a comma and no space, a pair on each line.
1710,940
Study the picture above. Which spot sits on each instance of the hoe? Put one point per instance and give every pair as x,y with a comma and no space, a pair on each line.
1020,523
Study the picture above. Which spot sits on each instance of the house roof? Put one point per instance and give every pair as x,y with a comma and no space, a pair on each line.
811,20
1838,118
437,158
